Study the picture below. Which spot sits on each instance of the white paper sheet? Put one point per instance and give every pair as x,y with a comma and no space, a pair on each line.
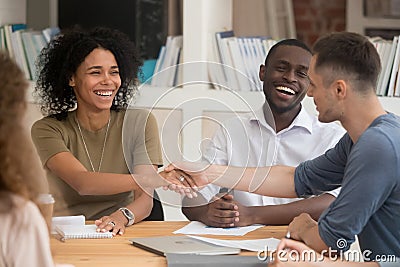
67,220
198,228
257,245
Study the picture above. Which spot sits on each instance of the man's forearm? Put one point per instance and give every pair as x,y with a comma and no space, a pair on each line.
284,213
195,213
275,181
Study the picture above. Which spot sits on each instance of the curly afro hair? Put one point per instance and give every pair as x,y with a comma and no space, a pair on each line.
60,59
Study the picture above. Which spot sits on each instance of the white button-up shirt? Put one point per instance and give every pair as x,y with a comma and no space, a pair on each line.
249,141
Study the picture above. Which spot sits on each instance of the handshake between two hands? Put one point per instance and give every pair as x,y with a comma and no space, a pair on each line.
186,178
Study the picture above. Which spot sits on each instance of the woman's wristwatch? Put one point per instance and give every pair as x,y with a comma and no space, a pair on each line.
129,215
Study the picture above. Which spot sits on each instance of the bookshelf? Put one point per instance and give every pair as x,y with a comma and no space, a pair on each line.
358,22
375,18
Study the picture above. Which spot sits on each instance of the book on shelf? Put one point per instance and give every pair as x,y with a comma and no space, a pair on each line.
246,59
385,47
14,46
166,69
176,47
391,68
395,77
226,58
8,30
241,69
30,52
241,58
216,75
389,54
397,84
2,39
254,62
33,42
268,44
24,45
19,52
157,67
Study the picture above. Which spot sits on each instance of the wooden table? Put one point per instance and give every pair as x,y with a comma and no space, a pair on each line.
118,251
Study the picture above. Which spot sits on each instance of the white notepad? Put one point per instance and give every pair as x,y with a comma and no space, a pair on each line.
80,231
77,220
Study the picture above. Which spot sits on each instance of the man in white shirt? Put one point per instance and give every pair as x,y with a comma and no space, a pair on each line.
281,132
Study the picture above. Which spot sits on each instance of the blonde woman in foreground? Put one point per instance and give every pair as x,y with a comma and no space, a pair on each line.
25,238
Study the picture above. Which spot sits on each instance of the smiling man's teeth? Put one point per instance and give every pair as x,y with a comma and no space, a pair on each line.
286,90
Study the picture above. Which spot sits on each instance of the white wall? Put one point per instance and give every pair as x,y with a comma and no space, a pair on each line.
12,11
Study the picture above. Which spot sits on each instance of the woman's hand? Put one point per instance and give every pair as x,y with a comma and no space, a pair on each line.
200,174
114,223
179,182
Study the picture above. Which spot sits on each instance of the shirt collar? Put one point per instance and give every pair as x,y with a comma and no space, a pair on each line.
303,119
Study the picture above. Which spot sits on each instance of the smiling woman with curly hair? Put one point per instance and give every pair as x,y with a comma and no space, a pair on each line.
24,240
85,83
60,60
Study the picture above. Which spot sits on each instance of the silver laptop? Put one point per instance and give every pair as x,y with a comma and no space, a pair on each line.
162,245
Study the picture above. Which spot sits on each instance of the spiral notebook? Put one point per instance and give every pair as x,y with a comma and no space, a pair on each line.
80,231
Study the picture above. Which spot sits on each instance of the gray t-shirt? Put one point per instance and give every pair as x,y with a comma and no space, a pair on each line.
134,130
390,263
369,202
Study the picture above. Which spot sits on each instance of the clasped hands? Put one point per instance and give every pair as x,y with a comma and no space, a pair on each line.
186,178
